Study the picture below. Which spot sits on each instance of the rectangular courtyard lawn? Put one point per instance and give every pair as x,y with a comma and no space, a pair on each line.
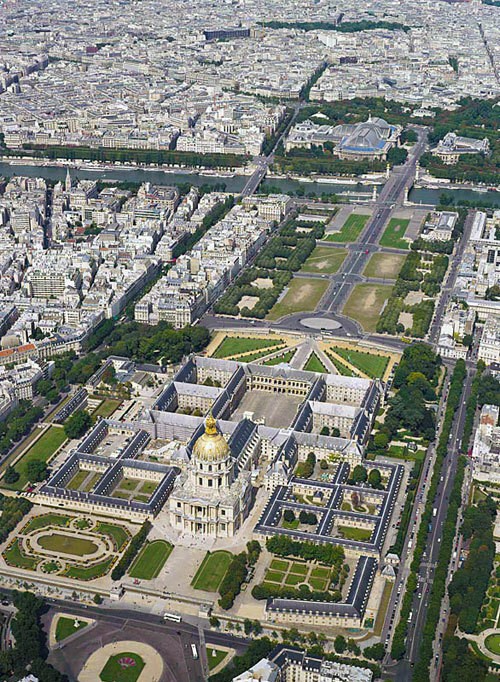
384,265
106,408
303,295
151,560
42,449
365,304
350,230
325,260
233,345
394,233
212,571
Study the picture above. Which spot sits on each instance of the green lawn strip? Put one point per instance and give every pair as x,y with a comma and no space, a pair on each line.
46,520
68,626
320,572
358,534
274,576
128,484
394,233
142,498
298,568
212,570
232,345
372,365
114,671
303,295
251,357
78,479
384,603
15,557
42,450
286,357
324,260
89,572
350,230
92,482
214,657
279,565
314,364
366,303
118,534
151,560
148,487
106,408
340,367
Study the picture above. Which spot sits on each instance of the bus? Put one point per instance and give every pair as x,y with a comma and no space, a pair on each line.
172,616
194,651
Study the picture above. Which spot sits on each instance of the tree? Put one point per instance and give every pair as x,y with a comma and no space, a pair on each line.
36,470
375,652
359,474
467,340
247,626
288,516
97,599
77,424
340,644
335,432
375,479
325,431
11,475
214,621
381,441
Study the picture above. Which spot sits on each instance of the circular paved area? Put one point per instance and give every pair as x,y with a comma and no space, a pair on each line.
153,663
320,323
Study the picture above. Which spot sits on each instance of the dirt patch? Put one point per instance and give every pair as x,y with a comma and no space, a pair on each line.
406,319
248,302
384,265
414,297
263,283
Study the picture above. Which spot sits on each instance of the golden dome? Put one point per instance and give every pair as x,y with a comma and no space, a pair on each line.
211,446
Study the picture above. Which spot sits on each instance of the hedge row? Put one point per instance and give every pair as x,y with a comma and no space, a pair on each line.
131,552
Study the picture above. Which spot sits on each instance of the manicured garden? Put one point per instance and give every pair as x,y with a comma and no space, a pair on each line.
314,364
68,626
285,357
124,667
212,571
394,233
66,544
43,449
214,657
89,572
492,643
234,345
151,560
350,230
118,534
303,295
45,520
357,534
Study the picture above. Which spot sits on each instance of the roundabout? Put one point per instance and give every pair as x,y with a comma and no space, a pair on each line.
321,323
125,661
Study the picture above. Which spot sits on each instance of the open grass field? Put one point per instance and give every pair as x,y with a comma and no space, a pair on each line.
67,544
350,230
212,570
68,626
151,560
342,369
394,233
214,657
106,408
233,345
123,667
369,363
303,295
43,450
384,265
325,260
365,304
314,364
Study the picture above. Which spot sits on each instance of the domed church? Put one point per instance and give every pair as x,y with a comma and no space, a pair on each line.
210,497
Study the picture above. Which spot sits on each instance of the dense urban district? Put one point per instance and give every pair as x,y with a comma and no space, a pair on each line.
249,341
